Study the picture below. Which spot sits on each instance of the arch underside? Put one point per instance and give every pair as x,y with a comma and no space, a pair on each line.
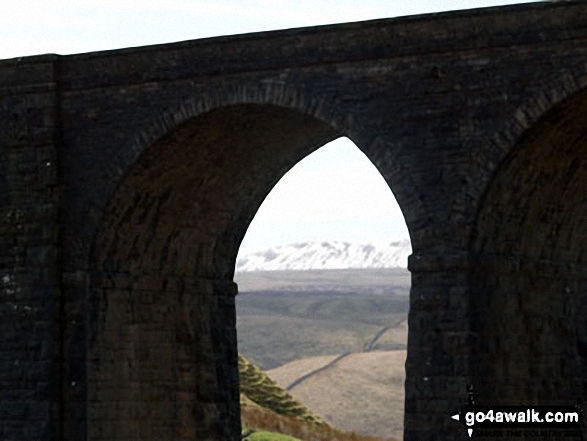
529,289
185,205
162,344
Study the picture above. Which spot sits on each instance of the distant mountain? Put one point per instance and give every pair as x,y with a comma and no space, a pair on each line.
331,254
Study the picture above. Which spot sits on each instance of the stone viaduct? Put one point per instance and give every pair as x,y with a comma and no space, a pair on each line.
128,179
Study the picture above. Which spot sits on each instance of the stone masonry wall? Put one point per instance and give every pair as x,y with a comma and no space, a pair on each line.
438,103
29,251
162,359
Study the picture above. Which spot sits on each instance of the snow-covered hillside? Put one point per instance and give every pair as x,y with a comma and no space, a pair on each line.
327,255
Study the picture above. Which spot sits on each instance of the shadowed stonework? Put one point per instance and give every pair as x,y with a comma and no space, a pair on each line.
128,179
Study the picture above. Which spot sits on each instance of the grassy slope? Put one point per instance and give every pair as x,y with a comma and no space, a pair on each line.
362,392
274,425
263,435
259,388
273,413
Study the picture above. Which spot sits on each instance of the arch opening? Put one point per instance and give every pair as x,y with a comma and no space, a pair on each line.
530,246
322,305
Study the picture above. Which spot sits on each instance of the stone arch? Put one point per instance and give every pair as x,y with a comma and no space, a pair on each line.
550,95
488,151
162,343
382,152
529,254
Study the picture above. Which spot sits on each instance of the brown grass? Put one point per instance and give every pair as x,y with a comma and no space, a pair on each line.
363,392
264,419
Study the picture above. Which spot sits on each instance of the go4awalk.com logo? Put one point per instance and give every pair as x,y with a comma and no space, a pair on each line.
566,420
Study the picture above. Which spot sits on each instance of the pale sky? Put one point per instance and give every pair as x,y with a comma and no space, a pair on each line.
334,193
